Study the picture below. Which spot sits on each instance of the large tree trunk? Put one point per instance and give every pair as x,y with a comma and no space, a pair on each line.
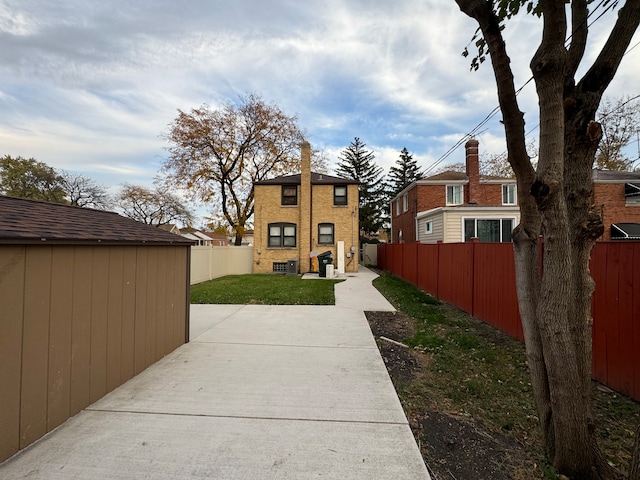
554,292
569,402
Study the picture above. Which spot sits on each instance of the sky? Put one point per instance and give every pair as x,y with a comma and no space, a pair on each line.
91,86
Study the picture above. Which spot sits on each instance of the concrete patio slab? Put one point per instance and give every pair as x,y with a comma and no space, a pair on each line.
289,382
302,325
262,392
201,319
107,445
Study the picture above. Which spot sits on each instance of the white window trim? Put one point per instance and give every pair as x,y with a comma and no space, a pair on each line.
462,220
515,193
405,202
428,227
455,186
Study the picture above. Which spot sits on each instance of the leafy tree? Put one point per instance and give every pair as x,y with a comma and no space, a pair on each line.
29,178
403,173
217,154
554,292
357,163
619,120
497,165
218,228
153,207
450,167
83,191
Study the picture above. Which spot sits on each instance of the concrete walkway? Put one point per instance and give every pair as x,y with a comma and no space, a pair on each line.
261,392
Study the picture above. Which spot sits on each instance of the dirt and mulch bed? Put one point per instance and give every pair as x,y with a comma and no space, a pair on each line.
472,422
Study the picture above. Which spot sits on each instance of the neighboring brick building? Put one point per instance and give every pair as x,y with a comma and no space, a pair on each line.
296,215
455,206
618,196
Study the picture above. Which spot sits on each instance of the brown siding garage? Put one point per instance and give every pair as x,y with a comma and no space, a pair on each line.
88,299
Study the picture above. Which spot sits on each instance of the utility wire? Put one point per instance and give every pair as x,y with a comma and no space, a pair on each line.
493,112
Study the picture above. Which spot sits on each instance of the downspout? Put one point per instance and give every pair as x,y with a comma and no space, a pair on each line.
187,322
310,219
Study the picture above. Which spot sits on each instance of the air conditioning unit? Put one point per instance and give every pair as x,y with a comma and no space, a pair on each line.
292,267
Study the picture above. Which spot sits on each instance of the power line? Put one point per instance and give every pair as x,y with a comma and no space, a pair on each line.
474,131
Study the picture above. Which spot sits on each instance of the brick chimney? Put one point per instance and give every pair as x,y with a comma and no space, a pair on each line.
473,170
304,205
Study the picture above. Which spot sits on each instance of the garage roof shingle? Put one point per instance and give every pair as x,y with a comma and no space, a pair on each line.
25,221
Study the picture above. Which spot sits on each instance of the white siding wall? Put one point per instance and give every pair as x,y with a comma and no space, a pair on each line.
455,233
437,228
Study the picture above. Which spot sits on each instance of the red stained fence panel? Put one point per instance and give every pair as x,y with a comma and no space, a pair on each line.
479,278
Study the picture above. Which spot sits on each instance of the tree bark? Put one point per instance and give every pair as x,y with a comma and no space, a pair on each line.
554,301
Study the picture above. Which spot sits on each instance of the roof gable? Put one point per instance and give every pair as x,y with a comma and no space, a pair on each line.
31,221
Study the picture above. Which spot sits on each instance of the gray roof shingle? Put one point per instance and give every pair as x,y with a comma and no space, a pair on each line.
316,179
25,221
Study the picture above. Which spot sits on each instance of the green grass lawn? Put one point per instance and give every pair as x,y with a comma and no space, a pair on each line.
480,372
264,289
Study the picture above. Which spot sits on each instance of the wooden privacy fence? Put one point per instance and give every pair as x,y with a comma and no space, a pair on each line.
479,278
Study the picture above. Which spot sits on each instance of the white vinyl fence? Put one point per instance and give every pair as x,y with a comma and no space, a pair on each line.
370,254
208,263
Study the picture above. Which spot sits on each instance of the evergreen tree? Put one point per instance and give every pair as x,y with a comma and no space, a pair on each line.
357,163
404,173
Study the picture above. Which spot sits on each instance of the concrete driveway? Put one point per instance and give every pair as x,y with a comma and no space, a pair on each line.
260,392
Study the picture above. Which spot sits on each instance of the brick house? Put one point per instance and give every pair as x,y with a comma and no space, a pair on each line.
618,196
456,206
298,215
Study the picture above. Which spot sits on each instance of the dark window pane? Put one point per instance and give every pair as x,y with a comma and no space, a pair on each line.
289,195
469,229
325,233
340,195
507,228
489,230
282,235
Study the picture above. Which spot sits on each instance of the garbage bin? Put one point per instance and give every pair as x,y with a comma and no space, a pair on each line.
325,259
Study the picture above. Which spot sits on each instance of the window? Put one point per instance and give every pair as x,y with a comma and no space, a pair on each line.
282,235
279,267
339,194
508,194
454,194
428,227
397,207
289,195
488,229
405,202
325,233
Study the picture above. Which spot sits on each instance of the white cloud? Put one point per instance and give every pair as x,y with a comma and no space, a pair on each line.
92,85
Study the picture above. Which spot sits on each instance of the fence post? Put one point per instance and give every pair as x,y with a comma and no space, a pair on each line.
439,243
474,242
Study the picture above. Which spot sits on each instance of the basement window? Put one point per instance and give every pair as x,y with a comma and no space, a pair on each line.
279,267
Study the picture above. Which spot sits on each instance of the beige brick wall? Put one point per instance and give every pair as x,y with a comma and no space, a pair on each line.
269,210
344,218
